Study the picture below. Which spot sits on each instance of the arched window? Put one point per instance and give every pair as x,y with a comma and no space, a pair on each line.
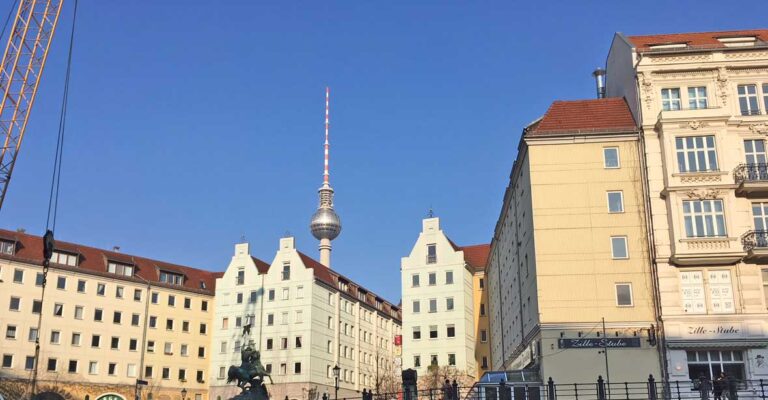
110,397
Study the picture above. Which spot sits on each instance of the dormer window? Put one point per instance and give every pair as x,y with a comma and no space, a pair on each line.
343,286
361,295
171,278
119,268
62,258
739,41
7,247
668,46
378,304
202,285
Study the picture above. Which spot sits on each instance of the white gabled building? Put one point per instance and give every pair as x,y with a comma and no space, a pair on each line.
305,319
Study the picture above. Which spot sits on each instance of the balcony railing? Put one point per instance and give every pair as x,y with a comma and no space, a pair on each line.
755,240
746,173
750,112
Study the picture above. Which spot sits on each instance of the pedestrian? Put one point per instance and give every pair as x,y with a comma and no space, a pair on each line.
718,386
447,390
704,387
731,385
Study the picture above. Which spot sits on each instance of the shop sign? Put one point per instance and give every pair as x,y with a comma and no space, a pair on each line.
709,330
598,343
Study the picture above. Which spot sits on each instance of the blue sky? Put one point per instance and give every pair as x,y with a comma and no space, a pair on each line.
192,123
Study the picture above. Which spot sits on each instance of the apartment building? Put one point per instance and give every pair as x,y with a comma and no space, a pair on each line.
305,319
108,319
444,310
570,290
701,100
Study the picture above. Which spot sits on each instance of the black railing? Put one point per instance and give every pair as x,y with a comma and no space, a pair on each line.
750,173
754,239
750,112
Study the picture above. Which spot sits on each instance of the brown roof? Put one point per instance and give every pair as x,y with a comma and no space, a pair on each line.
477,256
29,249
700,40
261,266
585,117
332,278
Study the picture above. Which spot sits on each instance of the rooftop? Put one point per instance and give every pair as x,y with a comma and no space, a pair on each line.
585,117
699,40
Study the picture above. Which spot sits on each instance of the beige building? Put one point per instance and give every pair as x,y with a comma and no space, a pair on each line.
701,100
108,319
444,311
305,319
570,251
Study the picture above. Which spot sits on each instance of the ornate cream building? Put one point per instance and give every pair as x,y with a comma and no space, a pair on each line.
568,273
108,319
305,319
701,101
444,304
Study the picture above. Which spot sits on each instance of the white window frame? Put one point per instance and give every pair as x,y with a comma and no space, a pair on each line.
667,104
605,159
631,294
626,247
746,96
697,97
703,152
691,216
621,201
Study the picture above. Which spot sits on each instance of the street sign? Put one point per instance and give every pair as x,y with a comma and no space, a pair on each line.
598,343
141,382
398,340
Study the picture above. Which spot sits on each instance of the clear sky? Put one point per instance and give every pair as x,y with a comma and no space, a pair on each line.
192,123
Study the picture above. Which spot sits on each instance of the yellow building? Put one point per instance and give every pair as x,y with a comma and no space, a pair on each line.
108,319
701,99
568,273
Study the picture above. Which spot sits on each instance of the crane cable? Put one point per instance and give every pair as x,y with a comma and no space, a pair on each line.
53,199
8,18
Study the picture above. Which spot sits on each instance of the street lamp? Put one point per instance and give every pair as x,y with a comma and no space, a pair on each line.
336,371
183,394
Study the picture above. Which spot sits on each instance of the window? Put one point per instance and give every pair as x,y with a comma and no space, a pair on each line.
270,319
615,202
185,326
417,361
451,359
29,363
449,304
711,363
222,372
431,253
284,318
201,352
10,332
764,273
450,331
270,344
152,321
416,306
449,277
297,368
432,305
32,334
95,341
18,276
119,291
748,100
670,99
415,280
754,151
619,247
166,373
148,370
225,323
72,367
168,348
100,289
155,297
150,346
624,294
282,369
286,293
55,337
7,361
704,218
187,303
117,317
93,367
482,309
171,278
133,344
433,331
482,283
81,286
720,292
58,310
330,322
78,312
204,305
239,298
297,342
61,282
120,269
433,359
137,294
131,370
115,343
75,339
184,350
135,320
286,275
238,322
7,247
16,304
283,343
484,365
98,314
432,279
182,374
240,277
223,347
52,364
172,300
299,316
203,329
169,324
37,307
38,279
697,97
199,377
416,332
696,154
271,295
483,335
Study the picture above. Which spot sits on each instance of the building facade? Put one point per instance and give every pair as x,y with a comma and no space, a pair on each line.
570,289
444,318
305,319
701,100
108,319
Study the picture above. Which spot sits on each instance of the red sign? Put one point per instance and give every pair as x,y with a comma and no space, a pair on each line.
398,340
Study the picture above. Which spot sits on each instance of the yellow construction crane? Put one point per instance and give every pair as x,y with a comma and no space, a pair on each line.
20,71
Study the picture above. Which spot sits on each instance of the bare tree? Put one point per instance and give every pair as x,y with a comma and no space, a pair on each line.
436,376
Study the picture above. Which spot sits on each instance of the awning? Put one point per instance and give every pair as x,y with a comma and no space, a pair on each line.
717,344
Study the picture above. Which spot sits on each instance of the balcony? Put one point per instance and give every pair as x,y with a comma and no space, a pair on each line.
751,179
755,243
707,251
694,115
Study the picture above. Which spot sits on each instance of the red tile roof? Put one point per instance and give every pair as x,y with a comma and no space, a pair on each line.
29,249
477,256
702,40
261,266
584,117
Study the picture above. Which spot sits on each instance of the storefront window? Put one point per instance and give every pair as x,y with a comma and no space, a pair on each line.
710,363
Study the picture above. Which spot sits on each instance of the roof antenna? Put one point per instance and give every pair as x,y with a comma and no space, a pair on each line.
243,239
430,213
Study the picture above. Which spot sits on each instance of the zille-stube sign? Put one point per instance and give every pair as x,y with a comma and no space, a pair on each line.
598,343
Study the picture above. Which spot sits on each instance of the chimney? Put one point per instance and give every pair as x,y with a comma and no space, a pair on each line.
116,249
599,75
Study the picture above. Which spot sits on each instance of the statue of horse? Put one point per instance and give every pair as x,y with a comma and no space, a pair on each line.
250,374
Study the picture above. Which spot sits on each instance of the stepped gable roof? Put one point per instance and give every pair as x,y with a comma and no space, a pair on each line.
332,279
29,249
584,117
694,40
477,255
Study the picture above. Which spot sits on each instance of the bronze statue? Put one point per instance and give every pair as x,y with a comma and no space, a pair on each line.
249,376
